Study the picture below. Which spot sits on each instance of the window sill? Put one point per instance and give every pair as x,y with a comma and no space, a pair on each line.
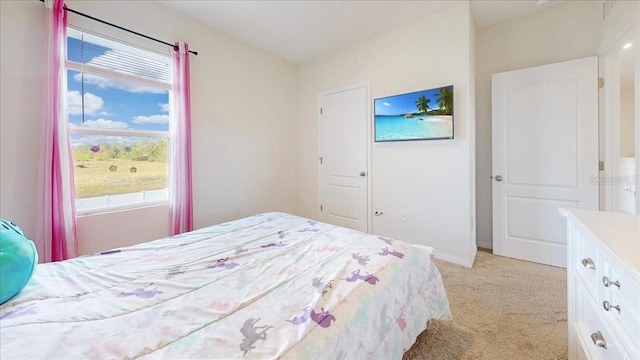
108,203
120,209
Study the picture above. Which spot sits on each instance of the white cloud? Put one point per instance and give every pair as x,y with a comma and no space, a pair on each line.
153,119
92,103
103,124
106,83
164,107
386,104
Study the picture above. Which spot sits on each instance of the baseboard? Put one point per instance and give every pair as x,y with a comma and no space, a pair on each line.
454,259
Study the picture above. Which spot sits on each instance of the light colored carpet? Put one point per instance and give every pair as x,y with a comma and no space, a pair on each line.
502,309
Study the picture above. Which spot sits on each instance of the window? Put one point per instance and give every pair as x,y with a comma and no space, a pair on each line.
118,107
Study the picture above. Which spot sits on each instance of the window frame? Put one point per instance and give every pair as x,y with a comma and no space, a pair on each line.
138,80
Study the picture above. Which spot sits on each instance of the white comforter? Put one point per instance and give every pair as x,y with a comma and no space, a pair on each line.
271,286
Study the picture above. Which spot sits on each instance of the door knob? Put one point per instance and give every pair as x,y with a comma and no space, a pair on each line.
498,177
362,173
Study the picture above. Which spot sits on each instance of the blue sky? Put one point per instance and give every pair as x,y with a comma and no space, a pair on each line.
404,103
110,103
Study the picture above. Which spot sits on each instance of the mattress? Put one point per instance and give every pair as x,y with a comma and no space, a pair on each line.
270,286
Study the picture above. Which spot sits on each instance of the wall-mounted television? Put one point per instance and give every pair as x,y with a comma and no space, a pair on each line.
420,115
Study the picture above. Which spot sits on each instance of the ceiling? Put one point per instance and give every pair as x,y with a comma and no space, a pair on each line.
301,30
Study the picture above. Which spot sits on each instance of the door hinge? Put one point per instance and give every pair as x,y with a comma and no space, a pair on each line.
600,83
601,165
320,207
320,160
320,111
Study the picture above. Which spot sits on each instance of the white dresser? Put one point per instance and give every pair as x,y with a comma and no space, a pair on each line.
603,284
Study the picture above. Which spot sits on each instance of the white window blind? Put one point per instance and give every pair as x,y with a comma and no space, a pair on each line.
87,51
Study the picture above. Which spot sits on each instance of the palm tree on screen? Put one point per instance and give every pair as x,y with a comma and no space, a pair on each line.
445,99
423,104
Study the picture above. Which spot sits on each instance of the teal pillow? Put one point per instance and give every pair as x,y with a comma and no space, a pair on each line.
18,259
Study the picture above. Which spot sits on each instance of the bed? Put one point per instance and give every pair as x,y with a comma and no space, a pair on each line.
270,286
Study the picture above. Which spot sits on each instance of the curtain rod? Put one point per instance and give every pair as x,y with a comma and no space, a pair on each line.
122,28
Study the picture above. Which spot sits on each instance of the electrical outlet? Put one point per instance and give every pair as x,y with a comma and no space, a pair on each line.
403,215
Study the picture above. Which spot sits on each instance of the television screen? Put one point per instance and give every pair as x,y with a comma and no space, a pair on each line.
420,115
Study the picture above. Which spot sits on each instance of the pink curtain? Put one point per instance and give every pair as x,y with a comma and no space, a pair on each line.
180,171
56,218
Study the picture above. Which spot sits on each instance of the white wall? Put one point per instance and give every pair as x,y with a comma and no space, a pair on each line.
21,53
567,31
244,126
627,127
431,180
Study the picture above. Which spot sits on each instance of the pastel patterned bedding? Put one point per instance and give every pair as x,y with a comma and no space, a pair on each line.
270,286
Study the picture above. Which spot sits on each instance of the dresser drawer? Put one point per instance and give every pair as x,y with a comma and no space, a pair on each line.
626,322
621,293
595,338
621,284
626,326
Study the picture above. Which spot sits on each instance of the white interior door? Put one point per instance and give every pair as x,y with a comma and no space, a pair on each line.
545,156
344,170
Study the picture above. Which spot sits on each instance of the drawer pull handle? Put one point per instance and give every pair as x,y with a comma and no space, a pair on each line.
597,339
606,282
588,263
607,306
